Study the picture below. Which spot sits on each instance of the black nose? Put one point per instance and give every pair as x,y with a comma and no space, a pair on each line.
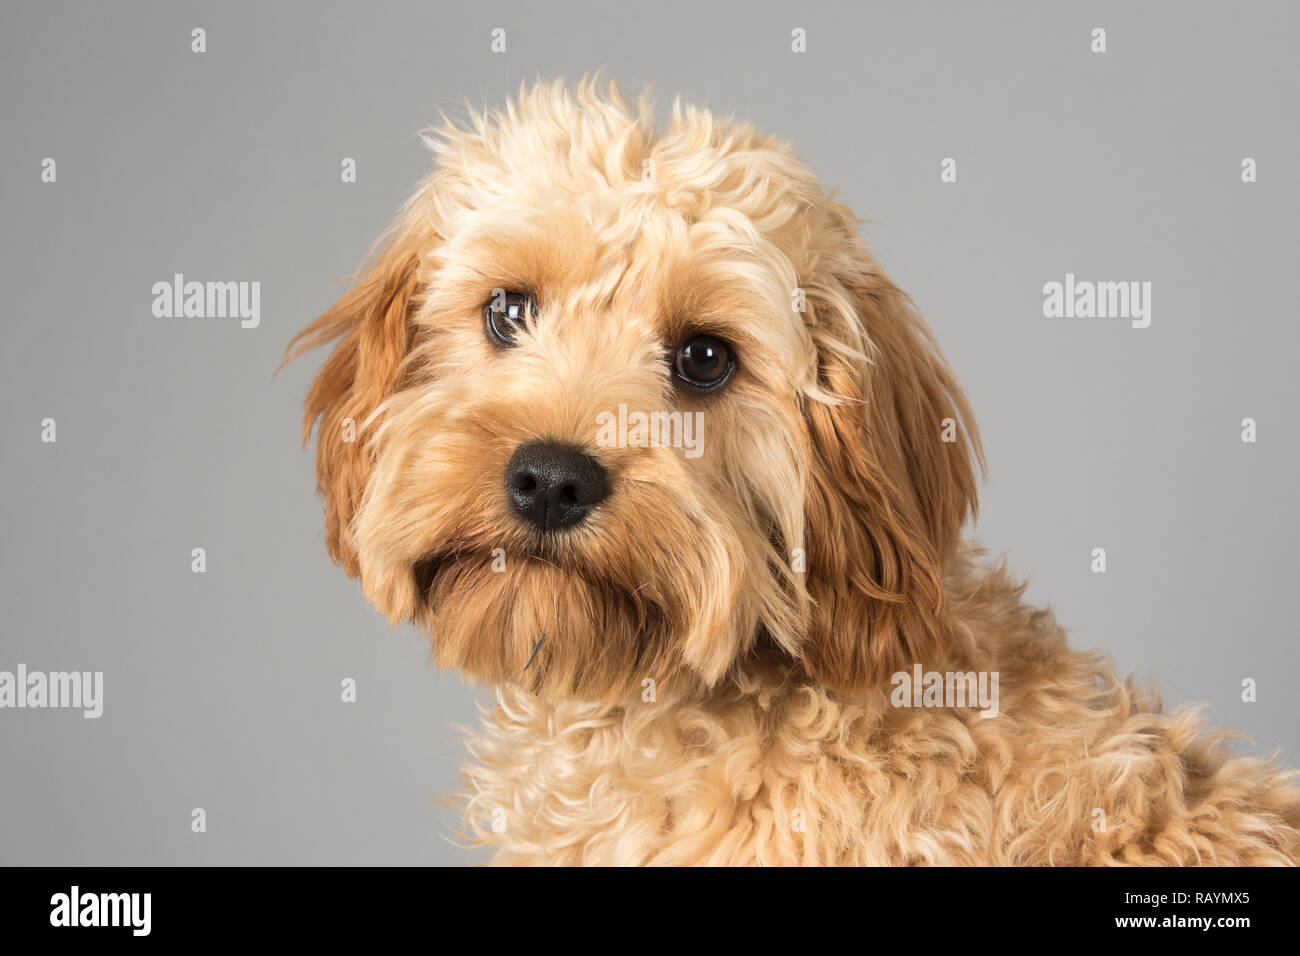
553,485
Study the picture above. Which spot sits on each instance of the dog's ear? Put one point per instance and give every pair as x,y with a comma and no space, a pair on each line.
892,478
372,323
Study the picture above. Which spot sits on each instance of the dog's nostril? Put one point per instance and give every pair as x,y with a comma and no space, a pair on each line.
554,485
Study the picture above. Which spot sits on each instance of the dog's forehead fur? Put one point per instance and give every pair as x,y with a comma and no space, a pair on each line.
556,143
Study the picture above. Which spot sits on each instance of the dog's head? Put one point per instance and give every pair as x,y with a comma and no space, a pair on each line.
616,402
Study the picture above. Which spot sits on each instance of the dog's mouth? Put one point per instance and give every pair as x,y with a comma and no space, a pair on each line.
428,569
571,573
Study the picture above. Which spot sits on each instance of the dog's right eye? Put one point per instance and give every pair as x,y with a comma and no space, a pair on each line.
505,314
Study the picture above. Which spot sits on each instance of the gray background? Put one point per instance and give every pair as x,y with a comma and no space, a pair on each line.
222,690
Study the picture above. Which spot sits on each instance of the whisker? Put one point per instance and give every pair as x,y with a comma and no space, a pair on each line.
540,642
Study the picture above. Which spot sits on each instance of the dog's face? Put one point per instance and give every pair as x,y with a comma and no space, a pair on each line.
802,468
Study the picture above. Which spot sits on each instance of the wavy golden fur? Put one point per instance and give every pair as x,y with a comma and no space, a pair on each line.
701,671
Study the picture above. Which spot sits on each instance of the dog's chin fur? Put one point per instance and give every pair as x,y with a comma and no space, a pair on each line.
699,671
555,632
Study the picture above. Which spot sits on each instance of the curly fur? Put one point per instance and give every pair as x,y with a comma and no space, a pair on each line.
720,634
773,768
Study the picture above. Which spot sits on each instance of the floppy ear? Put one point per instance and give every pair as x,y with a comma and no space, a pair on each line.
892,479
372,324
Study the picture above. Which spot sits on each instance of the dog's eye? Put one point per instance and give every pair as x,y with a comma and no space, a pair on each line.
704,361
505,314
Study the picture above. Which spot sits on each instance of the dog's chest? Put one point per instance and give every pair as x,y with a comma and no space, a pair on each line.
763,774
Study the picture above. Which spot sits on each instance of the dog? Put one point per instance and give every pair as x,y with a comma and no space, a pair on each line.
706,659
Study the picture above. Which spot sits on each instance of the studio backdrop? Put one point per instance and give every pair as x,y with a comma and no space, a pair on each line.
159,523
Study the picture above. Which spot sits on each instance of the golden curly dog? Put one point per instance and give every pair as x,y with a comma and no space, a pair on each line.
702,621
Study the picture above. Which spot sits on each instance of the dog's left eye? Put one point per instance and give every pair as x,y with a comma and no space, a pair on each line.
505,314
704,361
